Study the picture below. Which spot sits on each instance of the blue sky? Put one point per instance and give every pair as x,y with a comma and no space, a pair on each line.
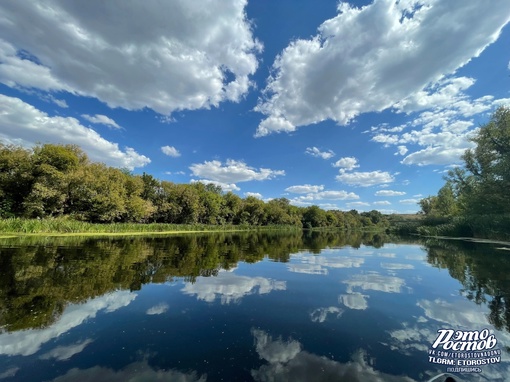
360,105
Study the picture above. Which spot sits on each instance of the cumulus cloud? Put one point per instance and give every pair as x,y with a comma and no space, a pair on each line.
172,61
396,266
23,124
309,198
230,287
402,150
254,194
304,189
232,172
374,281
28,342
347,163
311,269
335,195
321,314
436,155
287,361
101,120
389,193
358,204
315,152
10,372
365,179
355,301
409,201
333,262
170,151
158,309
375,57
382,203
440,134
64,353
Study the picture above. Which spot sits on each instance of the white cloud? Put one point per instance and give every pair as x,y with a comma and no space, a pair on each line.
50,98
355,301
402,150
28,342
321,314
60,102
23,124
440,94
172,61
396,266
347,163
286,361
351,67
101,120
233,171
335,195
389,193
304,189
358,204
230,287
158,309
311,269
170,151
315,152
443,131
333,262
274,351
224,186
11,372
63,353
409,201
308,199
365,179
435,155
382,203
254,194
373,281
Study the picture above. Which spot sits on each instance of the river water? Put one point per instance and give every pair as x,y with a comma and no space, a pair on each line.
253,307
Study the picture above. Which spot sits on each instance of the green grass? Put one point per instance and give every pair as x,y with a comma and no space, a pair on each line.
65,226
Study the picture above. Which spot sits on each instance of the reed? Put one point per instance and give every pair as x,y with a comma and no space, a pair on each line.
70,226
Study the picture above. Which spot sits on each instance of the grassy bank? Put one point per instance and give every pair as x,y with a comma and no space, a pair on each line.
65,226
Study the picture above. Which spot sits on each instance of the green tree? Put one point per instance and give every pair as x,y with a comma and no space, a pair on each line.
53,167
16,179
314,216
486,182
428,205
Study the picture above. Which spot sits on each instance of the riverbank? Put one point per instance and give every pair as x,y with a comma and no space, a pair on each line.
67,227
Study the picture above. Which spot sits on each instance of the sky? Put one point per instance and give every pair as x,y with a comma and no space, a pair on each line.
345,105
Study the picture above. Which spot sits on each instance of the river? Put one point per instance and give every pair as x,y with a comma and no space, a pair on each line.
311,306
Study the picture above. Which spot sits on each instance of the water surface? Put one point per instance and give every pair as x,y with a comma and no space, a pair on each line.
251,307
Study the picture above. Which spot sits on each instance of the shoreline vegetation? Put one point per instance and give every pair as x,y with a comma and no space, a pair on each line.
475,200
14,227
53,188
56,188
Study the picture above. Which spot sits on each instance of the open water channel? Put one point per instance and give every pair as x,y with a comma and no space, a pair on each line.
253,307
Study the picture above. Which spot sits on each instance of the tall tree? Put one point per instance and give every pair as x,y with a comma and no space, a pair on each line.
484,185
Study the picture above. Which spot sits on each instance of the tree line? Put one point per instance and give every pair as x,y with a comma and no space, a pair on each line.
53,180
475,200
